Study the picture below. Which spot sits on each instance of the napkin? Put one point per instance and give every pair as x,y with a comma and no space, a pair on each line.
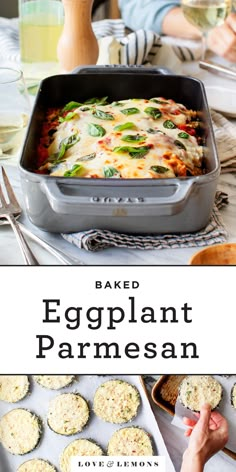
225,134
95,239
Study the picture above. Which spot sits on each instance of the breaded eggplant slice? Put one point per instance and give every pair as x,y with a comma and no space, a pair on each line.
195,390
116,401
233,396
79,447
20,431
54,382
13,388
68,414
131,441
36,465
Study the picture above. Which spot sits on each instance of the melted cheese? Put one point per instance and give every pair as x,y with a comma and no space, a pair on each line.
166,148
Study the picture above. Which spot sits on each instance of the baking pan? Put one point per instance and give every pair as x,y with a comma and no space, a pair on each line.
52,444
141,206
165,392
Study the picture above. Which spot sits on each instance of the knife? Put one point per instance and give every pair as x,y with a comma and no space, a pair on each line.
218,69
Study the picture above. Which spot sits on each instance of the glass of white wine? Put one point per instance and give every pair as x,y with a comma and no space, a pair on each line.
14,112
206,15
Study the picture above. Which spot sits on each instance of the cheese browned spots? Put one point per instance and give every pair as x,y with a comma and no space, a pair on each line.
79,447
54,382
132,441
36,465
132,139
13,388
20,431
68,414
116,401
195,390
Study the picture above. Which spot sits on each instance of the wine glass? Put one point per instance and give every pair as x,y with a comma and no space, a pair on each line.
206,15
14,112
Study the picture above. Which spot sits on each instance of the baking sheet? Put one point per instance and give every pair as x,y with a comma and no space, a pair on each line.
52,444
225,408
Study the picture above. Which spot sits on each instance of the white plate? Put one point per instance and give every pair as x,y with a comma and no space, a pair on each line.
222,99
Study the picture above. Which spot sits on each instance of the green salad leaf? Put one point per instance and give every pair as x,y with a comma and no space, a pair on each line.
71,106
67,143
75,171
128,125
155,113
109,172
134,152
134,138
87,157
96,130
130,111
96,101
102,115
160,169
68,117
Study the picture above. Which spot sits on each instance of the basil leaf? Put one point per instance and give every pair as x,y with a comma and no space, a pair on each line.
88,157
117,104
70,106
96,101
154,131
135,152
68,117
155,113
133,138
102,115
110,172
76,169
130,111
183,135
169,124
67,143
155,100
96,130
128,125
179,144
160,169
84,108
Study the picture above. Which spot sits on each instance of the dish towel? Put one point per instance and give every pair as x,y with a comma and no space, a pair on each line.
95,239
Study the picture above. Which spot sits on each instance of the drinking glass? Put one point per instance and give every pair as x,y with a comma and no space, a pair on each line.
206,15
41,23
14,112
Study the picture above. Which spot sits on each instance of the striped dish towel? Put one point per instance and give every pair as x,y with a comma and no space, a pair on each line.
96,239
225,133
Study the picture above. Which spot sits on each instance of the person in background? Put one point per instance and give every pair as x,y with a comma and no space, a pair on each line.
166,17
208,435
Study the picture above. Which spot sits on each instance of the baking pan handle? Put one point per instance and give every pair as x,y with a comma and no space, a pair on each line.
63,202
113,69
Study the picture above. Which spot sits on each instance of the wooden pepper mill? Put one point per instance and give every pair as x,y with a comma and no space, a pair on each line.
77,44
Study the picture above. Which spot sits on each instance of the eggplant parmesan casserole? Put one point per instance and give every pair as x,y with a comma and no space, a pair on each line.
135,138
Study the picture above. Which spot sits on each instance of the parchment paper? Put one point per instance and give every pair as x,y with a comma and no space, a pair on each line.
53,444
225,408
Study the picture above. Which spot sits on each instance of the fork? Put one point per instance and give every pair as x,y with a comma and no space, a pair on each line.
9,211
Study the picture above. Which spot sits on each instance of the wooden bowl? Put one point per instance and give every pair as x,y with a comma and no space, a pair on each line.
219,254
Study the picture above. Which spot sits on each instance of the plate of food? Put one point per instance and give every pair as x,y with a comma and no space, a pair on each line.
45,420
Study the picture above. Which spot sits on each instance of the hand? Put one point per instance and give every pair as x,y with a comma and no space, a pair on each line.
208,435
222,39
